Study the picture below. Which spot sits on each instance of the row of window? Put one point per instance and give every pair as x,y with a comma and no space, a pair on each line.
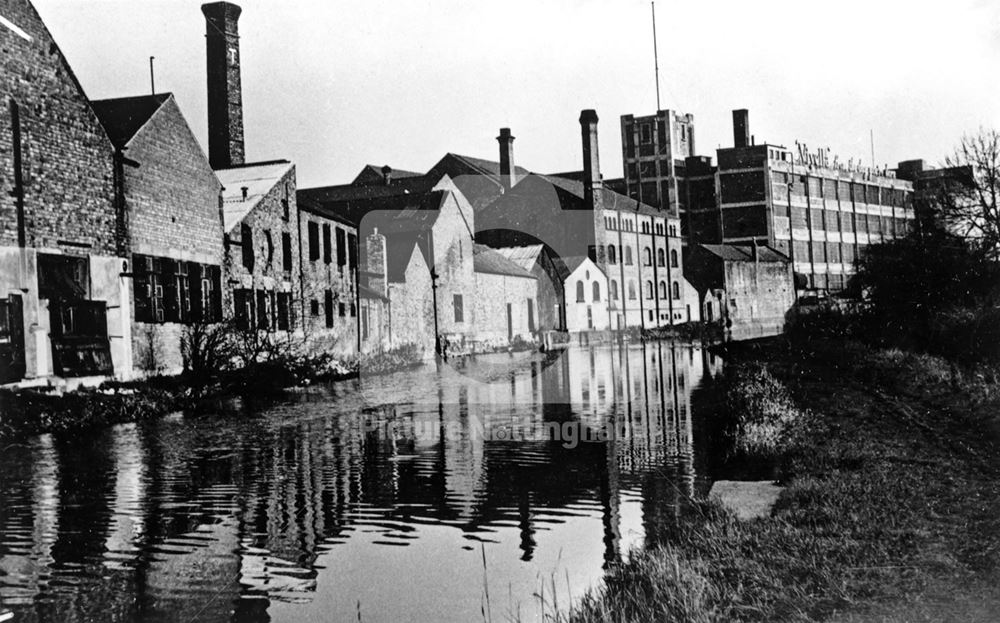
347,245
328,308
840,190
675,290
613,224
263,309
249,252
612,255
168,290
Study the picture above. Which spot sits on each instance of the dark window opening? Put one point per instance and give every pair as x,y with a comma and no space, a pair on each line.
313,241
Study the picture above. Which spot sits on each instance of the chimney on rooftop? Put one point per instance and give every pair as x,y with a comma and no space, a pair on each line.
508,173
387,175
741,127
225,96
591,159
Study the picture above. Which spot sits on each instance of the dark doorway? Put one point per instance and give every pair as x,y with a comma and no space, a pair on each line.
78,325
12,366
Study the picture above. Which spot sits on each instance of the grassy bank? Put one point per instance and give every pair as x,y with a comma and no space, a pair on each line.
891,509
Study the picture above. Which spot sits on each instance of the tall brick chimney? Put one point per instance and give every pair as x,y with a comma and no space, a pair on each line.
741,127
591,160
225,96
508,172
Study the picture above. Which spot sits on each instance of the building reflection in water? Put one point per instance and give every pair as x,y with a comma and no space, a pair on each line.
386,491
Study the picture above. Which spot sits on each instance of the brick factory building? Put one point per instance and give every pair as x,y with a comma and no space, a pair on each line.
637,246
172,227
63,290
817,210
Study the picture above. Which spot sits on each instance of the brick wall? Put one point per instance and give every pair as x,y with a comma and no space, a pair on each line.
323,275
173,195
172,199
268,273
67,157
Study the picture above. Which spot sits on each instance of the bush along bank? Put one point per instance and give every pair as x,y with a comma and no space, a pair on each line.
891,506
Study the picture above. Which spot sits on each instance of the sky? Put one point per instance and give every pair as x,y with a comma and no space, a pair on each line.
336,84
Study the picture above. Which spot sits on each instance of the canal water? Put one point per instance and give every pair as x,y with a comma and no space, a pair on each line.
493,488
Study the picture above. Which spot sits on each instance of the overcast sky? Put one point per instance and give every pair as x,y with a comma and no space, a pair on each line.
336,84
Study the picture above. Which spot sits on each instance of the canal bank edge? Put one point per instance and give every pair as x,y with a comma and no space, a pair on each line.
891,506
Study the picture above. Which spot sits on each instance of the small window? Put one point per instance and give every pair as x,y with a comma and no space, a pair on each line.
246,246
649,289
269,242
614,290
328,307
660,257
314,307
579,292
628,256
313,241
612,254
631,290
647,256
596,287
677,291
342,310
673,258
663,290
327,242
459,307
286,252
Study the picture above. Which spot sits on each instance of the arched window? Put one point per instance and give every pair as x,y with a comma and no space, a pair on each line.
631,290
614,290
579,292
660,257
647,256
628,256
612,255
663,290
596,287
649,289
673,258
677,291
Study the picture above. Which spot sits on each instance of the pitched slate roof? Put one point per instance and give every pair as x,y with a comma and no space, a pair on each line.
744,253
605,197
258,178
123,117
371,175
487,260
476,165
525,257
356,200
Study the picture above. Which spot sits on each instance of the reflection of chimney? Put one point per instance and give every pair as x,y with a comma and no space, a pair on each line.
508,174
591,159
387,174
375,262
225,98
741,127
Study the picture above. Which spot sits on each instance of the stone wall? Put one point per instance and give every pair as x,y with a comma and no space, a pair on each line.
322,275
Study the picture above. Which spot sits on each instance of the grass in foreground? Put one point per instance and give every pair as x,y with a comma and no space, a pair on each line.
891,512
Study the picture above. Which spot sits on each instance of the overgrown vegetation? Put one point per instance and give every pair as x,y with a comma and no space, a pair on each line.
759,411
390,360
891,508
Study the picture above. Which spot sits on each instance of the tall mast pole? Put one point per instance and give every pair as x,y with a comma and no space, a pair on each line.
656,56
